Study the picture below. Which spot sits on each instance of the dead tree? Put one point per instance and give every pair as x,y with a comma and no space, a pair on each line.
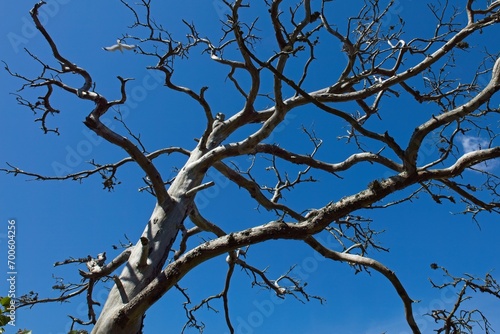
380,63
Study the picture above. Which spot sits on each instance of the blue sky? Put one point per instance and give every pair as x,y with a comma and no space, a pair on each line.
57,219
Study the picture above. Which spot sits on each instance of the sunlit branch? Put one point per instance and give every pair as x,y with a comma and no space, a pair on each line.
109,267
201,187
328,167
204,224
465,161
423,130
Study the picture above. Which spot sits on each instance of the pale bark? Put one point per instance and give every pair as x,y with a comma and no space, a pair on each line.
161,232
371,73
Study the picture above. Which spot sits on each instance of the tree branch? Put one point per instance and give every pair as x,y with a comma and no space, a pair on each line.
364,261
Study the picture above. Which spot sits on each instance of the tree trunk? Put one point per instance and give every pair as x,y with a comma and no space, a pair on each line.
161,231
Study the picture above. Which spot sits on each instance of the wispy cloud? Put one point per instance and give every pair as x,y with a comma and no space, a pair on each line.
471,143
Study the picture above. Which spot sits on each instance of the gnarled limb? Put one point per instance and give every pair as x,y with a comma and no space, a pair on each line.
364,261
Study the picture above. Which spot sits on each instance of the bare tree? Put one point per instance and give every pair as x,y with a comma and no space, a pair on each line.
380,64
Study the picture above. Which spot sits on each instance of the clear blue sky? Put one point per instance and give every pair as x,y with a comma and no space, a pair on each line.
56,220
